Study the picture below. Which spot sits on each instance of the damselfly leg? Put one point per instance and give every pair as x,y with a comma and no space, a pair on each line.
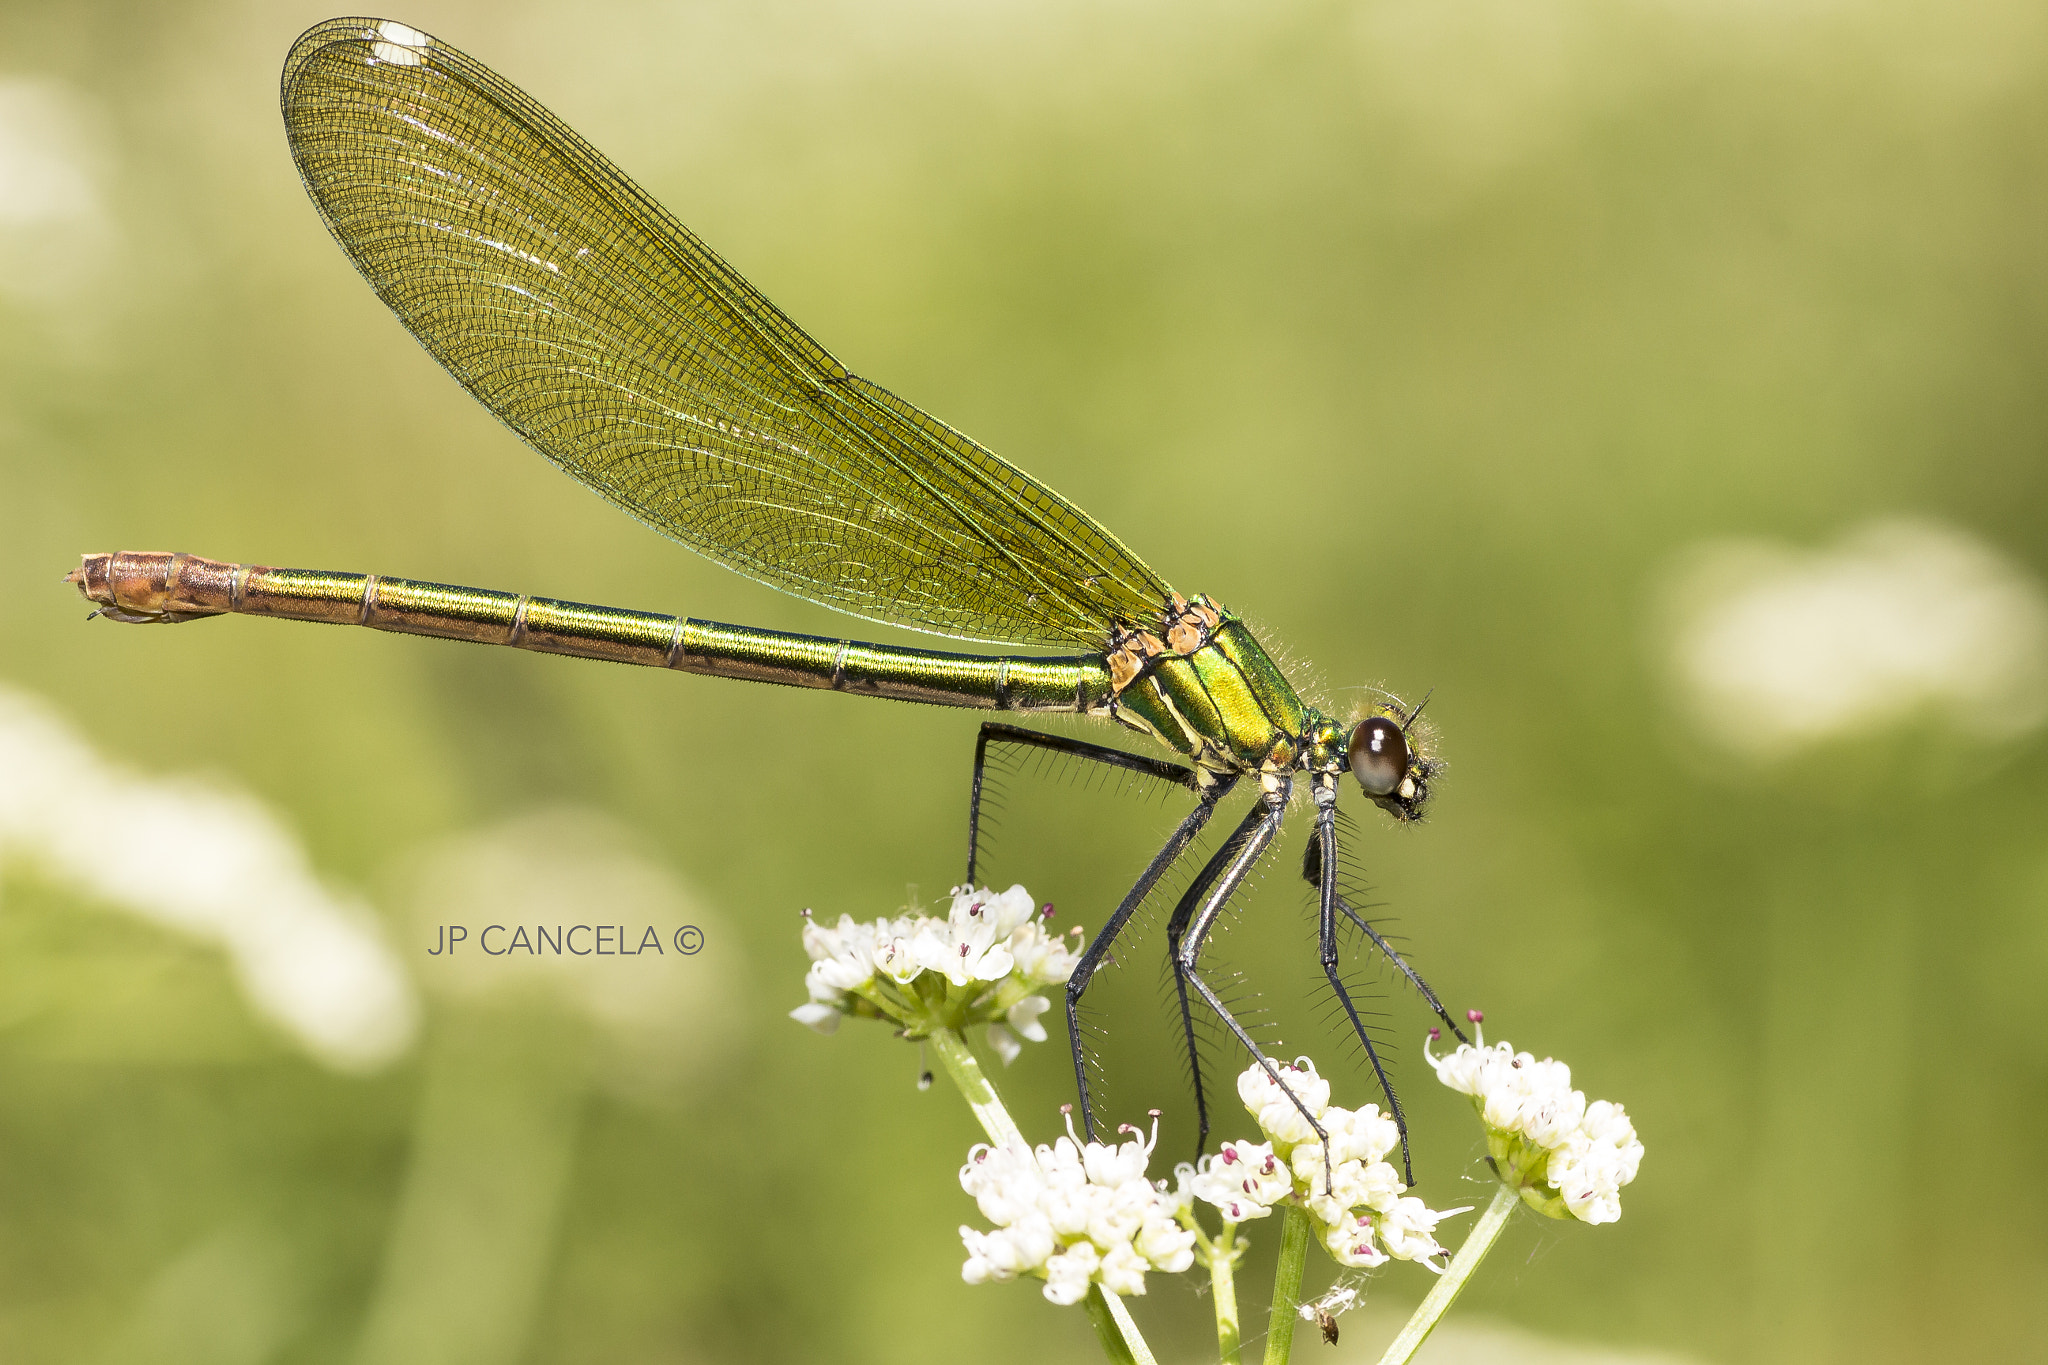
1176,931
1312,873
1325,837
993,733
1246,845
1199,907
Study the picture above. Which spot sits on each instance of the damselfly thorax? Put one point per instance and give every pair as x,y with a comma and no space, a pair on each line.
1202,683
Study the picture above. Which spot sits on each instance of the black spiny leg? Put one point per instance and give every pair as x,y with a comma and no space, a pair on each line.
993,732
1312,865
1176,930
1325,838
1084,970
1177,844
1246,845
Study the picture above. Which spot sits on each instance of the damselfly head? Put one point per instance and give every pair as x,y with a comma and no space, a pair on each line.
1385,749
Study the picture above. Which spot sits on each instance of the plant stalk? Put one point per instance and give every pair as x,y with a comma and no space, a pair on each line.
1134,1342
1294,1239
1223,1288
1109,1331
1480,1241
955,1056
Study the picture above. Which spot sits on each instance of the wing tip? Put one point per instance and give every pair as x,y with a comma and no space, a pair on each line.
388,40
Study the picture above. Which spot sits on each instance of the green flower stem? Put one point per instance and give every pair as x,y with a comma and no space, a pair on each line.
1133,1342
1121,1340
1223,1288
1477,1244
975,1088
1107,1329
1294,1238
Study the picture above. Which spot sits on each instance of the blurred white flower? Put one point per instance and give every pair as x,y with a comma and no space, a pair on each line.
992,950
1350,1191
1073,1214
1775,649
211,863
55,232
1565,1156
1005,1043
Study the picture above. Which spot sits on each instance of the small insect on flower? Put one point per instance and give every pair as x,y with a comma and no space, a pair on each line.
1073,1214
1566,1157
983,962
1323,1312
1353,1196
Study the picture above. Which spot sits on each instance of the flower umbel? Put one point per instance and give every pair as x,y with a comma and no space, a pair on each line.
1567,1158
1353,1195
983,962
1073,1214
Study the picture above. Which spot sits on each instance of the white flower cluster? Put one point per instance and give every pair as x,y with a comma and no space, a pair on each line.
1356,1200
1073,1213
1567,1157
991,951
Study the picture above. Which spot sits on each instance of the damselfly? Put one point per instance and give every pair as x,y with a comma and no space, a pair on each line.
618,345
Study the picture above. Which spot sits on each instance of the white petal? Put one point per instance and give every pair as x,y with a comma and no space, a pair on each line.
1012,909
1023,1017
823,1018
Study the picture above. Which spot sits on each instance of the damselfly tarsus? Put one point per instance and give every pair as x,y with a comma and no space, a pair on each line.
614,342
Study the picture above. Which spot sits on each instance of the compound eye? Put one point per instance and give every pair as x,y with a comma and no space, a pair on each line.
1379,756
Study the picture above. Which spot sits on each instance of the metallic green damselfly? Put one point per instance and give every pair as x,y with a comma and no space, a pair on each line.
618,345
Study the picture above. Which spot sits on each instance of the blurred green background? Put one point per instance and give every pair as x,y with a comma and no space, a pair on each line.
1431,336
